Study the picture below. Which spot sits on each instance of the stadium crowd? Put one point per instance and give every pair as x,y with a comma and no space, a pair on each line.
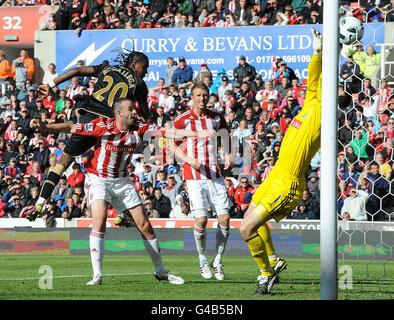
110,14
258,113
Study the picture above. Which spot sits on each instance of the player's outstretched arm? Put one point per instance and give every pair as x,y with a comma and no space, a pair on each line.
66,127
44,89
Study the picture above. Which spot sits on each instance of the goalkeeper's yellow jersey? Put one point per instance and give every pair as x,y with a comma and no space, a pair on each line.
302,138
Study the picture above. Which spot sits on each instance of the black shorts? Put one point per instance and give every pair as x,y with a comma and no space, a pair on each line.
77,145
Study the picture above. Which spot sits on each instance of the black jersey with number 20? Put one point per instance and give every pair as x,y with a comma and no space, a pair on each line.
114,83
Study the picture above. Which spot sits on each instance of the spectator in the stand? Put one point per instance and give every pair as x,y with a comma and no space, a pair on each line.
242,197
244,72
147,175
311,204
9,153
257,84
384,95
183,74
42,154
350,75
183,22
170,69
77,178
354,206
161,203
76,24
384,167
28,64
270,11
166,101
204,72
23,91
301,213
313,184
283,87
367,99
14,207
359,57
60,103
372,62
283,71
50,73
250,119
30,100
5,72
62,189
149,210
225,86
12,131
161,180
75,7
388,10
159,117
359,144
243,14
171,189
71,210
281,19
74,89
263,96
345,134
97,22
314,18
242,133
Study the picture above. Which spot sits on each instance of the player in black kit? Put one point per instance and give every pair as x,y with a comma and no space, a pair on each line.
113,83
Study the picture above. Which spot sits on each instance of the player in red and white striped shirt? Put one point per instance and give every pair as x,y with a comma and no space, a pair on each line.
206,185
110,183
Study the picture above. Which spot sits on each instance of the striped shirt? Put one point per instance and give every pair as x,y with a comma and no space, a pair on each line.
113,152
203,149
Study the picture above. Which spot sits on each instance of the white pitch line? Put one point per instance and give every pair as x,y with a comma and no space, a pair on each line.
118,274
78,276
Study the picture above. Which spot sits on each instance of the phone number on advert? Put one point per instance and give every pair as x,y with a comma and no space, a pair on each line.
287,59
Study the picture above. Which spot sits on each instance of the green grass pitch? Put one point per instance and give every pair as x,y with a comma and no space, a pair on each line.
131,278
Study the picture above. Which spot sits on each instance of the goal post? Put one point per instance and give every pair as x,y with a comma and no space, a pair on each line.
328,215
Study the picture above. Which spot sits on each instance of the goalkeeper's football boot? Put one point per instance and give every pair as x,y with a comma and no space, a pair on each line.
265,283
123,222
170,277
219,271
96,281
279,266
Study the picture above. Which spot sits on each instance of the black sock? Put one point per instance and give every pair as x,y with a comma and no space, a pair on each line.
49,184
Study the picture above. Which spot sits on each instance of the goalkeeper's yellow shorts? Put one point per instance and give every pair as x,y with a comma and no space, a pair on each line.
279,193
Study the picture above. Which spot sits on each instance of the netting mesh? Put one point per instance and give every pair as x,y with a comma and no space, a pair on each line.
365,158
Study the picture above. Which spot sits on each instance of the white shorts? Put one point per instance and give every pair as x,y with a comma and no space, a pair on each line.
205,194
119,192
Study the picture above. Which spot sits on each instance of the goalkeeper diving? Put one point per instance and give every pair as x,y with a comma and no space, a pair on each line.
280,193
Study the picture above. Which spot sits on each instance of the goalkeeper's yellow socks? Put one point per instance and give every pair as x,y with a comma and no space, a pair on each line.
258,251
265,234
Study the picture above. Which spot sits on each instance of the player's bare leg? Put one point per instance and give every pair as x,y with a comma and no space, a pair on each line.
200,239
255,217
222,234
96,240
50,184
152,245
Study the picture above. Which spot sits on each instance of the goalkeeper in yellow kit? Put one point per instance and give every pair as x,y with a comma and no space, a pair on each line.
280,193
